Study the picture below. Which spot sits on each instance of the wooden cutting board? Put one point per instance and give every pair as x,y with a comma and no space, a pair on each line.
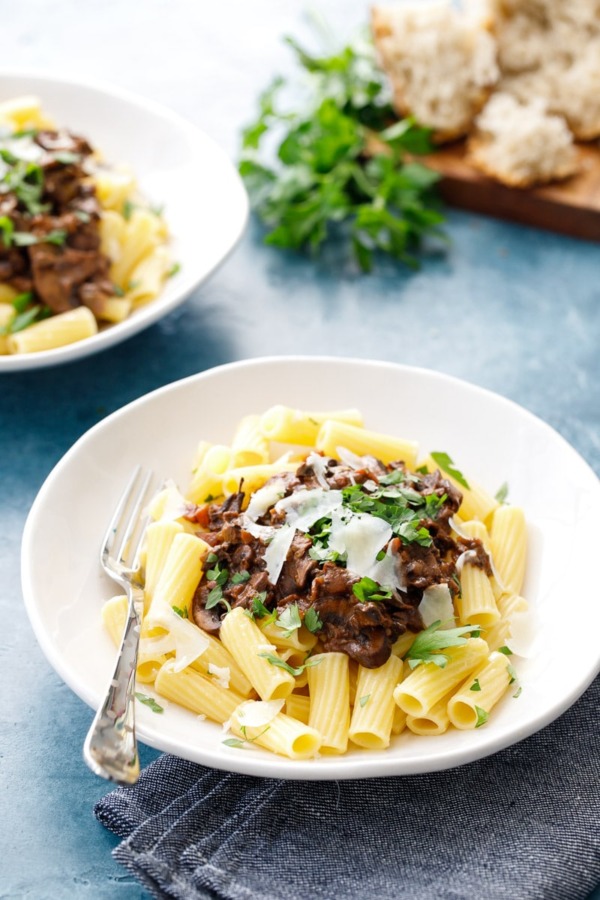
570,207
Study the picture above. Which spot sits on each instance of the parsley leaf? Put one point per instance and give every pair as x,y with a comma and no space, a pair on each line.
506,650
182,613
127,210
289,620
240,577
368,590
364,700
445,463
151,702
312,620
237,742
293,670
482,716
426,644
502,493
341,167
475,686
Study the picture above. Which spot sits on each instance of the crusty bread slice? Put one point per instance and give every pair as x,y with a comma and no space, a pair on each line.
441,64
521,144
551,49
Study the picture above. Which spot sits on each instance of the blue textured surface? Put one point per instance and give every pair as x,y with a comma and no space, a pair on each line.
509,308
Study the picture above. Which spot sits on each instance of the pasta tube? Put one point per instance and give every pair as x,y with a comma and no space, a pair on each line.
281,735
249,446
330,701
373,714
428,683
388,449
294,426
192,690
246,643
470,706
57,331
509,547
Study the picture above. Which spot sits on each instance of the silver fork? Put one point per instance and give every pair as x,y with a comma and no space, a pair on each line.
110,748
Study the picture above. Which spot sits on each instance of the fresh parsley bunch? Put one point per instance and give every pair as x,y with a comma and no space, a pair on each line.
344,163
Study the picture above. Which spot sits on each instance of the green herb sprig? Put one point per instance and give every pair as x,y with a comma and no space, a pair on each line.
427,645
343,163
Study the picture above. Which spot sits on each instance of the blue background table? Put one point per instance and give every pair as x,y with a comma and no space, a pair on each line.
512,309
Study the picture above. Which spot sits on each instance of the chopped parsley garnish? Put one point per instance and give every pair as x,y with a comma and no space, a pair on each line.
506,650
215,597
240,577
22,301
502,493
128,208
312,620
67,158
236,742
475,686
518,693
175,268
426,645
446,464
401,507
364,700
368,590
151,702
26,181
512,673
282,664
258,610
482,716
83,216
58,236
289,620
182,613
27,317
218,574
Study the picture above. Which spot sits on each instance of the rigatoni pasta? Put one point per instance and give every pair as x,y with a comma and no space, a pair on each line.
85,249
328,601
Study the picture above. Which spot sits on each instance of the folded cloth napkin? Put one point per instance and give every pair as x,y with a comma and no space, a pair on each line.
524,823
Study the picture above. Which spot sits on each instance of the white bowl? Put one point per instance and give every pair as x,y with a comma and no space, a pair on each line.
177,165
490,438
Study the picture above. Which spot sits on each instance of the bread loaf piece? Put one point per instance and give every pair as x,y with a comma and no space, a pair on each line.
441,64
521,144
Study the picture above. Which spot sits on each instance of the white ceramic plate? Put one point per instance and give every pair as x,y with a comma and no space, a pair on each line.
490,438
206,205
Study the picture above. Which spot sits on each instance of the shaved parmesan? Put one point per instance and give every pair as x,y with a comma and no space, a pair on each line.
389,571
189,642
264,498
360,537
522,633
436,606
468,556
460,531
303,508
266,533
349,458
257,713
277,551
319,466
174,504
156,646
222,675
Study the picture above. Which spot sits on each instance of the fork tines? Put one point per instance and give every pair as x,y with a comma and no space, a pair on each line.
124,535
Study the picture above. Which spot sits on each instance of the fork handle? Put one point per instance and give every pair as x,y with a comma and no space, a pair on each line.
110,748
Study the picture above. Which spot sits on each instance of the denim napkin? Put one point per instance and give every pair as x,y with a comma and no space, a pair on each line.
524,823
